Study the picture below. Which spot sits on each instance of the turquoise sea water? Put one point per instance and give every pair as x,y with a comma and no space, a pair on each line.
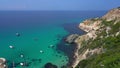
38,31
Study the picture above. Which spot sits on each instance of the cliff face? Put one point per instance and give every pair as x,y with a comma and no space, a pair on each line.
90,24
102,34
112,15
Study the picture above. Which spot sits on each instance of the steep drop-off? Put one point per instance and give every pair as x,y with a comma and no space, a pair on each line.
100,46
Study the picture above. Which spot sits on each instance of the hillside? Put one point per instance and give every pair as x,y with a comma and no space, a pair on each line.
100,46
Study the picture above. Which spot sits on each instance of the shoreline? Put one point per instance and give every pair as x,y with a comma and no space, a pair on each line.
70,49
93,27
90,33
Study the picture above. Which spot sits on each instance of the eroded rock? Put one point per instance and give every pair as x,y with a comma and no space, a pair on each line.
70,39
2,63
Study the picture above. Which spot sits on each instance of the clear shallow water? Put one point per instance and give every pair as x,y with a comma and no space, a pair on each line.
38,30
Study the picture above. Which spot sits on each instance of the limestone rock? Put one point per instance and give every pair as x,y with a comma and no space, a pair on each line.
2,63
70,39
112,14
93,27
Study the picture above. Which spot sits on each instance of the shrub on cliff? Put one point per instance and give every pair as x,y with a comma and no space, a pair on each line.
111,44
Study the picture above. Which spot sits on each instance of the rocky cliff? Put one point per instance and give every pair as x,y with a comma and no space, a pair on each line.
103,35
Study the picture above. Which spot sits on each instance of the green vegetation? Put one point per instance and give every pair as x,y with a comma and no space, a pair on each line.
111,46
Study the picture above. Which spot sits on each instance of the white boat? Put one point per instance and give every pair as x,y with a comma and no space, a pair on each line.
21,64
21,56
41,51
11,46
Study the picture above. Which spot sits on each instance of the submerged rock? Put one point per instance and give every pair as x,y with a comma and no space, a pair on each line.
35,39
70,39
34,60
51,46
40,60
50,65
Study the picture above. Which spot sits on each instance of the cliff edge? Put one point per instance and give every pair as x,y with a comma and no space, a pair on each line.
100,46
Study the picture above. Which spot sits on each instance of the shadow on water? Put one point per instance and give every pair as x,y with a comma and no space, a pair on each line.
69,49
73,28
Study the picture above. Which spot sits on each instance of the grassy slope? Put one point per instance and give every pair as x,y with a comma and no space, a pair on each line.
111,57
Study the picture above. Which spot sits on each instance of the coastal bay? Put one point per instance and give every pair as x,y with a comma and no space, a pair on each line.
38,32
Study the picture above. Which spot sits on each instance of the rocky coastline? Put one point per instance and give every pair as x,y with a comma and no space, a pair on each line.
92,27
77,49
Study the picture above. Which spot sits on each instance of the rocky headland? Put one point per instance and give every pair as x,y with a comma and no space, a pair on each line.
2,63
99,47
96,41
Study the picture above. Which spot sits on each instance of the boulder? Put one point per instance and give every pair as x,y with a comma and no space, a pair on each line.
2,63
71,38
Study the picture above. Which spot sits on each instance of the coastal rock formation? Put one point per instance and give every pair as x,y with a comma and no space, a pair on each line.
93,42
70,39
90,24
2,63
112,15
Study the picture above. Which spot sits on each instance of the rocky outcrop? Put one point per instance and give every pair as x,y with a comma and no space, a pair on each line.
112,14
70,39
2,63
93,27
90,24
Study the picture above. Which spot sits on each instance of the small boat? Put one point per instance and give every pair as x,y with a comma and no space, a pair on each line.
11,46
21,55
41,51
21,64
